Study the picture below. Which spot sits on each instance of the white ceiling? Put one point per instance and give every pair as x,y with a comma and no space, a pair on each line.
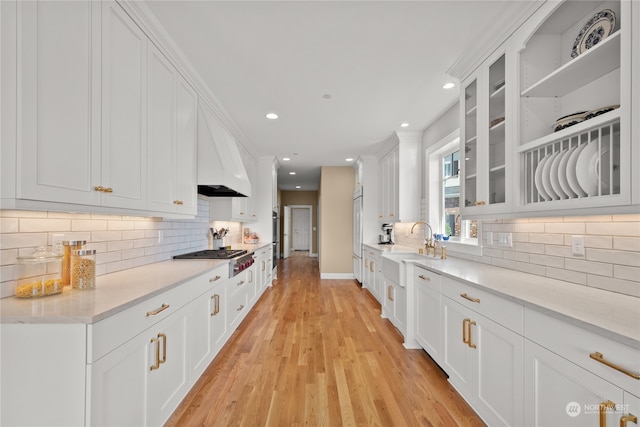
382,62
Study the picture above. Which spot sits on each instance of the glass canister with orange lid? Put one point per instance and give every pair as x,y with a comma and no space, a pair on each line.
38,274
68,247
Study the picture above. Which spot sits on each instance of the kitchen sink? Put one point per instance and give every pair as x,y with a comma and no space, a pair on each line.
392,266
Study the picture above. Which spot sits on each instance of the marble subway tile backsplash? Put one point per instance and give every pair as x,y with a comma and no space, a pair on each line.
122,242
543,246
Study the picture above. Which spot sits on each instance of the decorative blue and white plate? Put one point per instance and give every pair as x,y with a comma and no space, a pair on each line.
594,31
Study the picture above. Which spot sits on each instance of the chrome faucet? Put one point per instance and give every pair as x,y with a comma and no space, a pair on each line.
430,243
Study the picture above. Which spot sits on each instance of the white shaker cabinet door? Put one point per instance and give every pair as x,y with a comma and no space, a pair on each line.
124,118
57,147
118,385
186,163
161,131
558,392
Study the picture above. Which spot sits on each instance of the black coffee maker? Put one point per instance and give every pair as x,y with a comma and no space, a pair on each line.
386,237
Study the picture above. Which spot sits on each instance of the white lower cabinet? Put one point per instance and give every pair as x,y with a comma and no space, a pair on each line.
371,273
570,378
208,329
394,306
484,363
427,312
143,381
559,392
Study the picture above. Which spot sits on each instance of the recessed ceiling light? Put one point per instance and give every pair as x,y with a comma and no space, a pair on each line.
292,173
348,159
272,116
297,186
404,125
448,85
286,159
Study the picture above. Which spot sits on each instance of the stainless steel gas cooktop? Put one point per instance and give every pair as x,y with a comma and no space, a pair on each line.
212,254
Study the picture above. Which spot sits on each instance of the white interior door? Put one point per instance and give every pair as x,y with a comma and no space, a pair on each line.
301,229
286,229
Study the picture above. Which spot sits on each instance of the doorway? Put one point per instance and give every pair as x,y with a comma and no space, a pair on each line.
300,235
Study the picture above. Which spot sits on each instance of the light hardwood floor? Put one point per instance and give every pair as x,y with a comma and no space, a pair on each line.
317,353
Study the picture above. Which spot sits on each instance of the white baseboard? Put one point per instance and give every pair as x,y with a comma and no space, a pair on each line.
337,276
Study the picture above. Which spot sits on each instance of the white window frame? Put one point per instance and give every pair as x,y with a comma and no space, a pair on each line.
434,194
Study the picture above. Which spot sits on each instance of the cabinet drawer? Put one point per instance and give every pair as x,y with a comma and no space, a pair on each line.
427,278
239,283
105,335
577,344
238,307
507,313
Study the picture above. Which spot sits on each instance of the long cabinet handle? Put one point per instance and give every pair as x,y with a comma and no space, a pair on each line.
472,299
428,279
157,364
604,406
465,333
471,344
597,356
162,308
163,337
216,304
371,264
628,418
390,292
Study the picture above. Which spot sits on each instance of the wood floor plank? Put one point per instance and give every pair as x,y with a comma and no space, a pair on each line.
317,353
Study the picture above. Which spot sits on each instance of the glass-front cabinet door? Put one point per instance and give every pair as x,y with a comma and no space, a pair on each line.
485,139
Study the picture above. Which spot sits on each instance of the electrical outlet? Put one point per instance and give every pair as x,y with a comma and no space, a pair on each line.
577,246
505,240
160,236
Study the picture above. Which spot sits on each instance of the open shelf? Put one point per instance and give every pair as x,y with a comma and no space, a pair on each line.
471,140
497,92
472,110
572,130
591,65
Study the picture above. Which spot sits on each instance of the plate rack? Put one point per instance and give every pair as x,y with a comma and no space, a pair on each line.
581,163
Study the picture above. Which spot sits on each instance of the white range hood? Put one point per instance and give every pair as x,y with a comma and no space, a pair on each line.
221,172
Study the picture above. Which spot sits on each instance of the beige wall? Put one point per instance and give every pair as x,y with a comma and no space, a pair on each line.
336,220
289,198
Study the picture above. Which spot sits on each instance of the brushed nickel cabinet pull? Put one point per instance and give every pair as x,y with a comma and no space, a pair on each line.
472,299
159,310
597,356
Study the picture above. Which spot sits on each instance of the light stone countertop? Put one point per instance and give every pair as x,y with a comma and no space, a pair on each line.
613,315
113,293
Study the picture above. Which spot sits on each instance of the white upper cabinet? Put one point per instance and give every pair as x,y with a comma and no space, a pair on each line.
574,104
399,179
58,151
104,122
486,126
124,108
172,132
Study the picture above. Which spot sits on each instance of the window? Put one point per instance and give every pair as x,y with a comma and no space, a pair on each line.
443,196
452,225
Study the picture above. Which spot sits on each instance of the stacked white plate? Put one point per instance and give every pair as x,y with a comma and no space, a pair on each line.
578,171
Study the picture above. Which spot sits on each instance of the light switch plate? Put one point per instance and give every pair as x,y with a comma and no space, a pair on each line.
577,246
